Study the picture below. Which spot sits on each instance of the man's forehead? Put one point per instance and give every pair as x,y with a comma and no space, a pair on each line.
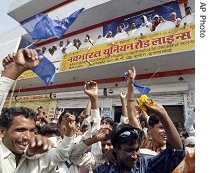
21,120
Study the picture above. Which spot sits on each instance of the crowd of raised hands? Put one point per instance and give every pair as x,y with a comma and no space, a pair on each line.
87,142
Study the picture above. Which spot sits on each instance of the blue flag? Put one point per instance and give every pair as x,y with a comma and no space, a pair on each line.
42,27
45,70
141,89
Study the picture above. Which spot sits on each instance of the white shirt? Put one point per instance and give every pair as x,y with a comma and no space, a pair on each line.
5,85
189,124
40,163
79,157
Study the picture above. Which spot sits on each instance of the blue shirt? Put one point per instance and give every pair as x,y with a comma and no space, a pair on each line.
164,162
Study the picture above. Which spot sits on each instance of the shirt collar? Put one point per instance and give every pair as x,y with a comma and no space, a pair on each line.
5,151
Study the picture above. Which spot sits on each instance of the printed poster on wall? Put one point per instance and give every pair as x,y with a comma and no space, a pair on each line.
163,10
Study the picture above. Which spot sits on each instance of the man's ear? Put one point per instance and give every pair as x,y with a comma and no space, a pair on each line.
149,128
2,132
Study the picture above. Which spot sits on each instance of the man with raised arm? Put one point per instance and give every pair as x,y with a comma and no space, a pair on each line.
21,150
126,141
14,65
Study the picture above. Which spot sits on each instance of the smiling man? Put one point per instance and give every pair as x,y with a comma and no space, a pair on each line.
20,149
158,133
20,146
126,142
17,130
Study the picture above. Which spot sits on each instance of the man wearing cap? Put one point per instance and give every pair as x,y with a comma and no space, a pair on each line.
174,19
145,22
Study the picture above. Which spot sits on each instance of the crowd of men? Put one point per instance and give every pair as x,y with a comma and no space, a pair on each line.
89,142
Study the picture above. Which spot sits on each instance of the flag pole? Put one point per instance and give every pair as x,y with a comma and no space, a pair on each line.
33,43
12,93
151,77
